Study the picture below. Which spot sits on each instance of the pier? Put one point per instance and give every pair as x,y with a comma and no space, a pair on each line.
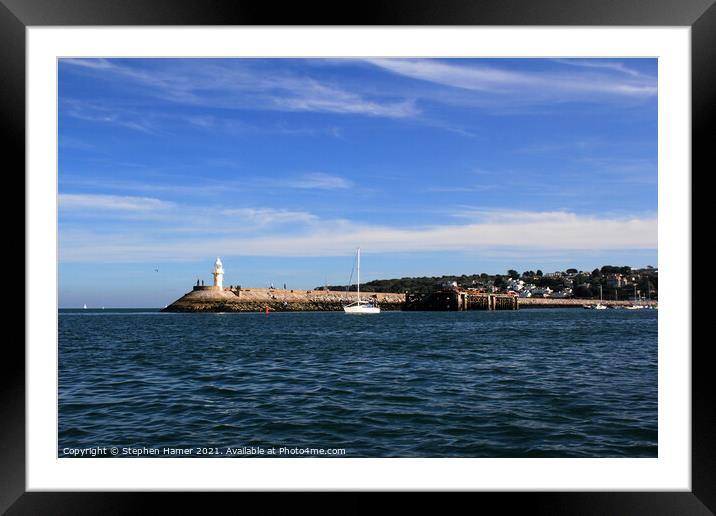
455,300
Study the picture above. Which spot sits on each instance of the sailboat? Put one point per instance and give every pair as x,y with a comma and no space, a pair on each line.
360,306
600,306
635,306
85,306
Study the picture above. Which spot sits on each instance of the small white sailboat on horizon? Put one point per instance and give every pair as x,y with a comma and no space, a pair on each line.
360,306
636,306
598,306
85,307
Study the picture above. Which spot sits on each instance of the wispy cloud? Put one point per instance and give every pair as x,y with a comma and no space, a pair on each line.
198,187
528,85
318,181
485,231
236,85
604,65
99,202
207,186
168,218
459,189
553,147
93,112
269,216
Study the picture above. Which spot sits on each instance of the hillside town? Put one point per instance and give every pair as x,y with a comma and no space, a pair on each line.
610,282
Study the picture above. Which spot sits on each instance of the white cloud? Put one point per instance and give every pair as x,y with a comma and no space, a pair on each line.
238,86
198,187
319,181
111,203
528,231
92,112
95,64
537,85
167,220
268,216
606,65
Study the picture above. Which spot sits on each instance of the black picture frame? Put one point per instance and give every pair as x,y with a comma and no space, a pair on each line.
700,15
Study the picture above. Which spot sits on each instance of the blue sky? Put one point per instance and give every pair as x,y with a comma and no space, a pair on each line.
282,167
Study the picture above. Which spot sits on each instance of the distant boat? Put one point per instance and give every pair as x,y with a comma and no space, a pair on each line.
360,306
636,298
85,307
598,306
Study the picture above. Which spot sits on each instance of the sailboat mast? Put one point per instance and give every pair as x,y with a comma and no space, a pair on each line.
359,274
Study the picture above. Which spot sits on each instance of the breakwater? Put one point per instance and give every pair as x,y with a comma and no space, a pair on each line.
210,299
547,302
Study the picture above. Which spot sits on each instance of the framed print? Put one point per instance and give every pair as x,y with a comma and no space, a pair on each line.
329,223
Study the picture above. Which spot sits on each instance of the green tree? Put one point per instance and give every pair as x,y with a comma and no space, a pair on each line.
582,291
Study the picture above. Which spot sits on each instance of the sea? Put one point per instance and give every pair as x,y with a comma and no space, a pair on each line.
563,382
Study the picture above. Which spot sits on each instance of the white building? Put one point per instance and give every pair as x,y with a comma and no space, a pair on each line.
567,292
542,292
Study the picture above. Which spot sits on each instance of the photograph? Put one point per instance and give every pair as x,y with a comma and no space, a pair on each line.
408,249
357,257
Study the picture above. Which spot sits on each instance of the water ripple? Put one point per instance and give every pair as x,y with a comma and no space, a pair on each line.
532,383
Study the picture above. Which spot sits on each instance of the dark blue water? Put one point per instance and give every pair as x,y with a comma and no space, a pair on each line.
528,383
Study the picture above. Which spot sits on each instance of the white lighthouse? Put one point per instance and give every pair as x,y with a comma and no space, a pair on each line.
218,274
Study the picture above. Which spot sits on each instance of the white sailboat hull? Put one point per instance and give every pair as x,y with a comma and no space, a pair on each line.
361,309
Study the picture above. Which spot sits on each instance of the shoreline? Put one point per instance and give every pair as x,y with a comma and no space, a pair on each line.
547,302
280,300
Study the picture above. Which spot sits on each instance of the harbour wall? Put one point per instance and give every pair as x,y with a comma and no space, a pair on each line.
547,302
277,300
213,299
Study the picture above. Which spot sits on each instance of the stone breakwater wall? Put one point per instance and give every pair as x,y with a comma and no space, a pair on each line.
209,299
277,300
539,302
